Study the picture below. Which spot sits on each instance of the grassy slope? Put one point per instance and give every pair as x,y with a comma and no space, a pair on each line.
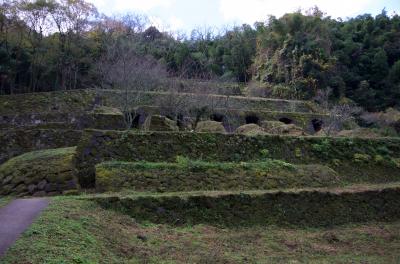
79,231
4,200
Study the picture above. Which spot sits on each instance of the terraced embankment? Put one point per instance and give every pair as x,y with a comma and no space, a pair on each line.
187,175
15,142
77,109
359,160
191,178
305,207
334,180
39,173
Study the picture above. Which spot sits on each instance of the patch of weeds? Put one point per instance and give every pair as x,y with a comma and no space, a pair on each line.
379,159
361,158
5,200
336,162
298,153
264,153
383,150
323,148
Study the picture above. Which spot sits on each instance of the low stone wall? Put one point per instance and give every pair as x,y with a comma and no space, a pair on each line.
306,208
60,120
85,100
349,157
112,98
15,142
39,173
74,110
60,101
234,118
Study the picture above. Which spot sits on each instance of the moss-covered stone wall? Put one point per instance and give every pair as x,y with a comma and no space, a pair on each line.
75,109
85,100
39,173
233,118
186,175
347,156
58,120
303,208
60,101
111,98
15,142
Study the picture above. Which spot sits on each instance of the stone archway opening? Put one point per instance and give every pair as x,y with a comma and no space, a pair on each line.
180,120
252,119
317,124
286,120
217,117
136,121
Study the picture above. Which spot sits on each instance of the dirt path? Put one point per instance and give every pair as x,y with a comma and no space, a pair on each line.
16,217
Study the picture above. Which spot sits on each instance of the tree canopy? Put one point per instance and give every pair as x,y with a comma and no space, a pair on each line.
57,44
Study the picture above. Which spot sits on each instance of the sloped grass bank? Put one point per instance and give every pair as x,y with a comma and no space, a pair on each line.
5,200
42,172
302,208
80,231
187,175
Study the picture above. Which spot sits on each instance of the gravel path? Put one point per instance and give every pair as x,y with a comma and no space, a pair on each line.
16,217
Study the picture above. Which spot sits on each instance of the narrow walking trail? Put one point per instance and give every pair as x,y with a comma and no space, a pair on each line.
16,217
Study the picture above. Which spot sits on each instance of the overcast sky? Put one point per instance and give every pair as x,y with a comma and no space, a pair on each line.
184,15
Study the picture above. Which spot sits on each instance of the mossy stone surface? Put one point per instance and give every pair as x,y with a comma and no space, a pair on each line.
250,130
197,175
210,127
97,146
15,142
300,208
159,123
43,171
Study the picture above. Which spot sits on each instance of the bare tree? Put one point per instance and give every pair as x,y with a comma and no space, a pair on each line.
195,101
338,115
132,74
322,98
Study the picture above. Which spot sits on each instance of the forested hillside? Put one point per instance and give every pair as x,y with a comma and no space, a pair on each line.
59,45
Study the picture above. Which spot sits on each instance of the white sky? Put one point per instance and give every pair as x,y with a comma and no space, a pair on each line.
188,14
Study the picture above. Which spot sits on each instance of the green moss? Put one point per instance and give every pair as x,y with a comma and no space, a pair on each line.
98,146
323,147
188,175
210,127
63,101
298,153
264,153
250,130
336,162
361,158
308,207
106,110
379,159
15,142
54,168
